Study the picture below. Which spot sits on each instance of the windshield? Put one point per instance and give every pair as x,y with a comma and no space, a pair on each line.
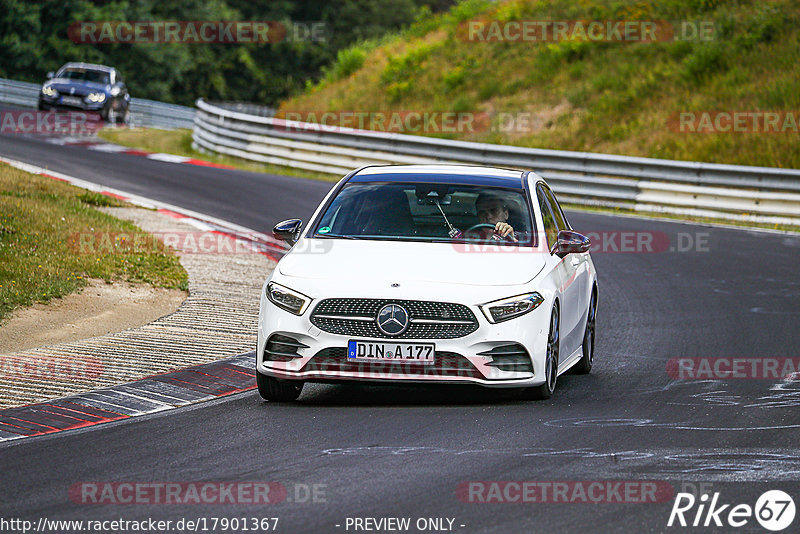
85,75
428,212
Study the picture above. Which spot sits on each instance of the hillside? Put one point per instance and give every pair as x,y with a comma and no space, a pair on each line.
584,94
179,67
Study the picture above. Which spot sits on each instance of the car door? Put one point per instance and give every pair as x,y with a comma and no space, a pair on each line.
579,260
564,273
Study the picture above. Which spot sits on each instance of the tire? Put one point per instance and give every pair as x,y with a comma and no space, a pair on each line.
584,365
545,391
108,114
124,117
275,390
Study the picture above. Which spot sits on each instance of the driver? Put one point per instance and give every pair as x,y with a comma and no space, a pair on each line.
492,209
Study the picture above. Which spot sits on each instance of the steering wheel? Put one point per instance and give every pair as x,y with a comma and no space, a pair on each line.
478,226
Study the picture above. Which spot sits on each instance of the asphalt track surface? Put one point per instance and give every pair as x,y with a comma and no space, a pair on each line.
403,451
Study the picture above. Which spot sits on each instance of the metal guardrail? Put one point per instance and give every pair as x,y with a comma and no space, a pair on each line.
247,108
762,194
19,93
154,114
146,113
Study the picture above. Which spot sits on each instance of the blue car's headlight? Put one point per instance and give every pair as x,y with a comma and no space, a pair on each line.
49,91
96,97
505,309
288,299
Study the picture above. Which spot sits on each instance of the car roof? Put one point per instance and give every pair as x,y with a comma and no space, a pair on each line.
453,174
75,65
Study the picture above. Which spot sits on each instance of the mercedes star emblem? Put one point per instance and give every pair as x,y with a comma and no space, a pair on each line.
392,320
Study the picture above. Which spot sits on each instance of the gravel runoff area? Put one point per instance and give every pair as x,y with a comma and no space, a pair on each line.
217,320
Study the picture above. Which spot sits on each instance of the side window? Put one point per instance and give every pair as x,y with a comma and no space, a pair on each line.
561,220
550,229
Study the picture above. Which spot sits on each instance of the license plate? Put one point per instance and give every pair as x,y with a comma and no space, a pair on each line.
370,351
71,100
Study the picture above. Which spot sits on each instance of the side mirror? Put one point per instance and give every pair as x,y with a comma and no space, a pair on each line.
288,230
50,75
569,242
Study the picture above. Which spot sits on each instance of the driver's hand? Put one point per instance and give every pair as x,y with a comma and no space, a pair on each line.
503,229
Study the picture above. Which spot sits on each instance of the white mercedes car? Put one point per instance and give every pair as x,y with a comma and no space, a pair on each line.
429,273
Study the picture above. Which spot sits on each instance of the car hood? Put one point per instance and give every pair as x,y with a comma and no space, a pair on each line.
398,262
63,85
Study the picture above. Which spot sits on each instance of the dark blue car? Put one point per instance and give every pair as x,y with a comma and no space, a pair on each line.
87,87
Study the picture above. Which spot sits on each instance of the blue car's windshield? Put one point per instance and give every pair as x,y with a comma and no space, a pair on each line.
85,75
428,212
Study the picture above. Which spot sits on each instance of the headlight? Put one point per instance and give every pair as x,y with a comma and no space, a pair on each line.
96,97
285,298
49,91
503,310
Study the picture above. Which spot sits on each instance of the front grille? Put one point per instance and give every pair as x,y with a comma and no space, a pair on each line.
429,320
511,357
445,364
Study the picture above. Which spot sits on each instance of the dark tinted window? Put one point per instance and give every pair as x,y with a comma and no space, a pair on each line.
425,211
550,228
561,219
85,75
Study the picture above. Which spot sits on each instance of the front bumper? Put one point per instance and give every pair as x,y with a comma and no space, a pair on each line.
457,361
82,105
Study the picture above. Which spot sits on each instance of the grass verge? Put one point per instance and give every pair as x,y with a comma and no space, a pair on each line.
41,220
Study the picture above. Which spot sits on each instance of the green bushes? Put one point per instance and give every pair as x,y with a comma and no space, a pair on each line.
347,62
614,97
401,70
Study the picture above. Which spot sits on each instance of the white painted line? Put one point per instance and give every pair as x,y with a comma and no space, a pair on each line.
169,158
200,225
107,147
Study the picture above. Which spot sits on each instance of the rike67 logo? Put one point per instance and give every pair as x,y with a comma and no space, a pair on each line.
774,510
